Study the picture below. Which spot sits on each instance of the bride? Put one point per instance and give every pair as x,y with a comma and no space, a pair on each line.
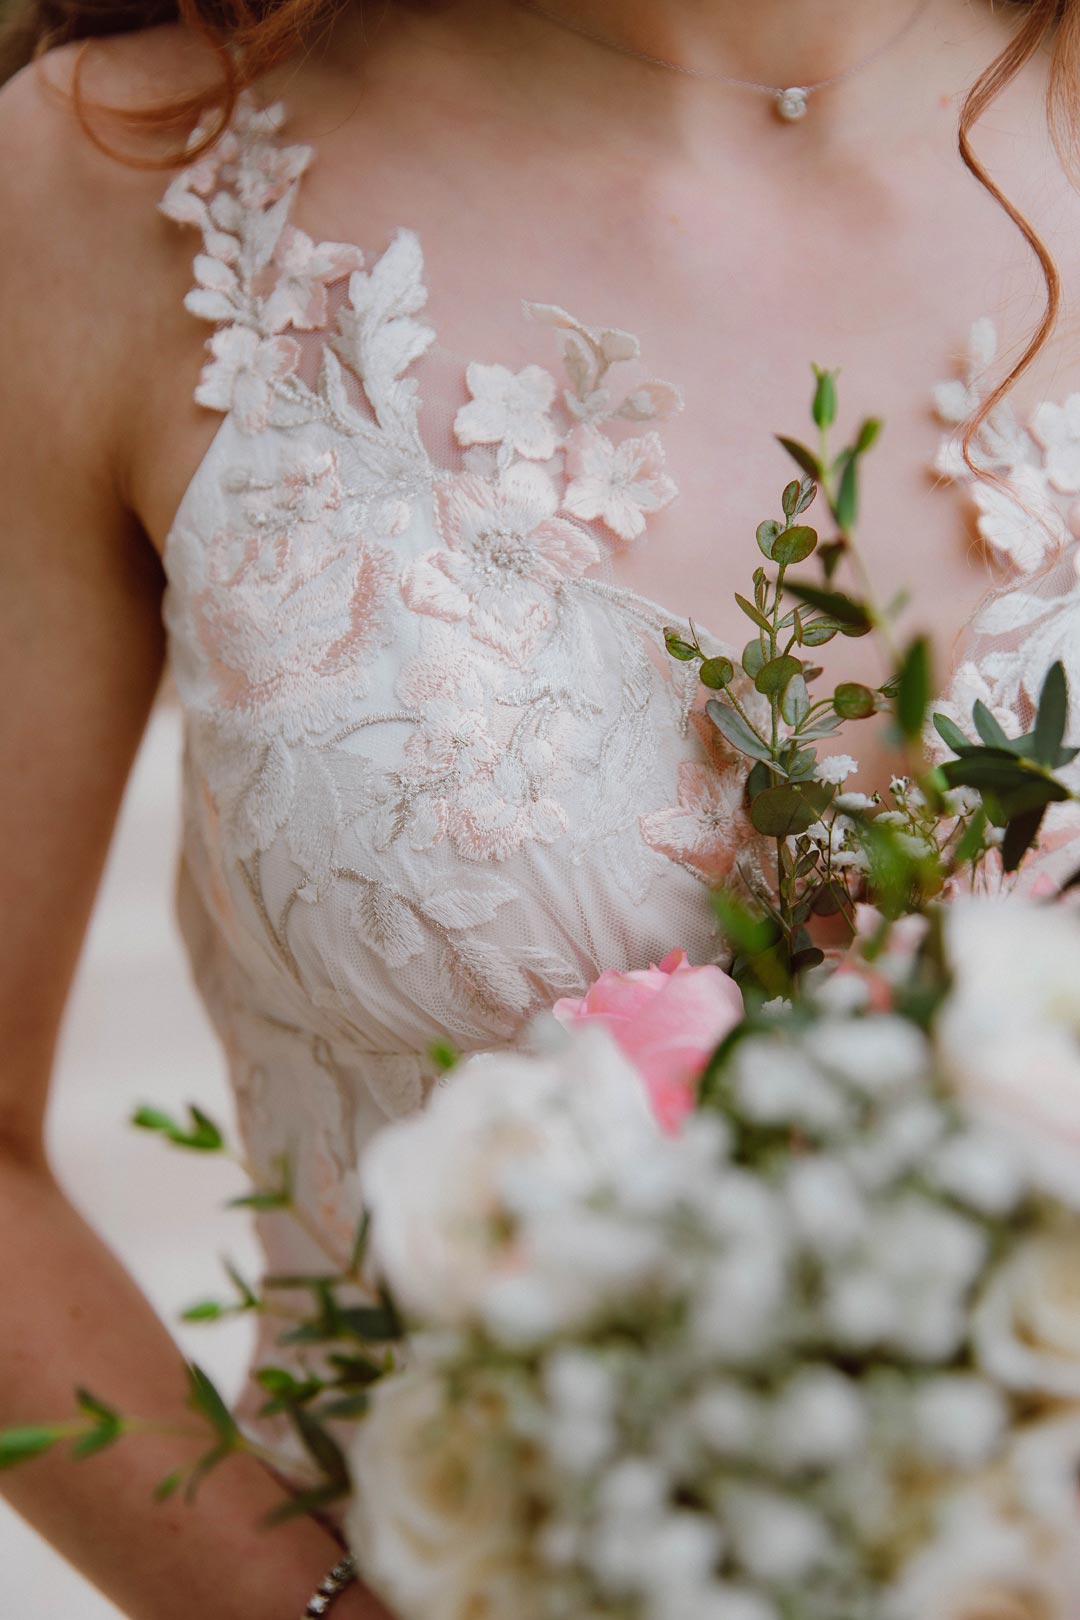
395,379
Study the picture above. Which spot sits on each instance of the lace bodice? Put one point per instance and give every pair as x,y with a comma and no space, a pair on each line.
438,770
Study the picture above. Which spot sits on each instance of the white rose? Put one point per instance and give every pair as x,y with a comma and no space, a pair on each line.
988,1563
452,1189
1026,1328
1009,1034
435,1523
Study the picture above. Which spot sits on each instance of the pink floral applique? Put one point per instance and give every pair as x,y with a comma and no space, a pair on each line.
707,827
288,627
242,374
619,484
511,409
447,667
305,270
504,558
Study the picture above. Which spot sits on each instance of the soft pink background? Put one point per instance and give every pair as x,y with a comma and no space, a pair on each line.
134,1032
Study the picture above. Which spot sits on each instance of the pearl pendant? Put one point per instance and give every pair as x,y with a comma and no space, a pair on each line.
791,104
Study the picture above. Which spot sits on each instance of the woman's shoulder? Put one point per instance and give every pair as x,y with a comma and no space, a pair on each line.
89,260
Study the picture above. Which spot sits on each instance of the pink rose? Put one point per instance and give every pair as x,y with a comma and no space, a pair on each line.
667,1020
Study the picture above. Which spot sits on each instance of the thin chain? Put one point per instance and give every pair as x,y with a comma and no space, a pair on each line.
582,32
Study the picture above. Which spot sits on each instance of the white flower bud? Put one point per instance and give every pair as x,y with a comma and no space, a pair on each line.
959,1420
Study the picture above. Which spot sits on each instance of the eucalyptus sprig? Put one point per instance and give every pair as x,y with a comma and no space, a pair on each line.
898,849
342,1338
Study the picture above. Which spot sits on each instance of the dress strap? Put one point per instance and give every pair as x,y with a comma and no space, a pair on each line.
257,274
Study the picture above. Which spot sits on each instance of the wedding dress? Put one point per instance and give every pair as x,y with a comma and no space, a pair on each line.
438,769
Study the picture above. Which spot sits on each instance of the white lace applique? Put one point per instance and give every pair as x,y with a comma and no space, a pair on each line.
1030,618
438,772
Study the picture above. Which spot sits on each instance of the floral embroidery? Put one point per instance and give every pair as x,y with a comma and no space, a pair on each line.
242,374
305,270
510,409
291,612
1057,429
617,483
705,828
1031,617
504,557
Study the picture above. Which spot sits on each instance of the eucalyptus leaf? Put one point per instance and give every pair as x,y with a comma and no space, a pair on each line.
807,495
766,534
818,633
868,435
716,673
734,728
782,812
913,689
795,703
790,498
753,612
753,656
853,617
802,457
773,677
794,545
847,496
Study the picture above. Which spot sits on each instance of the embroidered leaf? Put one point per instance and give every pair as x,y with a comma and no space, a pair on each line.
461,907
312,836
485,975
264,807
387,923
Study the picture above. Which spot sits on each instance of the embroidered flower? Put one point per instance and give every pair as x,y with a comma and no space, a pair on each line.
1057,429
617,483
306,269
494,815
307,491
504,559
450,740
1020,522
705,829
447,667
287,624
510,409
243,372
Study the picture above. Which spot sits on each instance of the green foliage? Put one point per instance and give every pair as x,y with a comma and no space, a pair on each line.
1013,775
200,1135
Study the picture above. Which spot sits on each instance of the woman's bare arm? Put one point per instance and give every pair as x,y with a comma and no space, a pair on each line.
81,654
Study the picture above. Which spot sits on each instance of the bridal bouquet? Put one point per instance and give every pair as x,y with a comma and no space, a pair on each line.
743,1294
810,1349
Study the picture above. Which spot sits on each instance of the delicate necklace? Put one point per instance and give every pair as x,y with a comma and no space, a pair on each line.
791,102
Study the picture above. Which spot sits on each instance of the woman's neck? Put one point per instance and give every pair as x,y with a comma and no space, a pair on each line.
779,42
530,55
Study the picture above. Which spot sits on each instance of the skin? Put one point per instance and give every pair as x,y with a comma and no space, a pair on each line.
736,247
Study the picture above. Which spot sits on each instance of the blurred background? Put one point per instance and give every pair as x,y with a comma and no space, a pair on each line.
135,1032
